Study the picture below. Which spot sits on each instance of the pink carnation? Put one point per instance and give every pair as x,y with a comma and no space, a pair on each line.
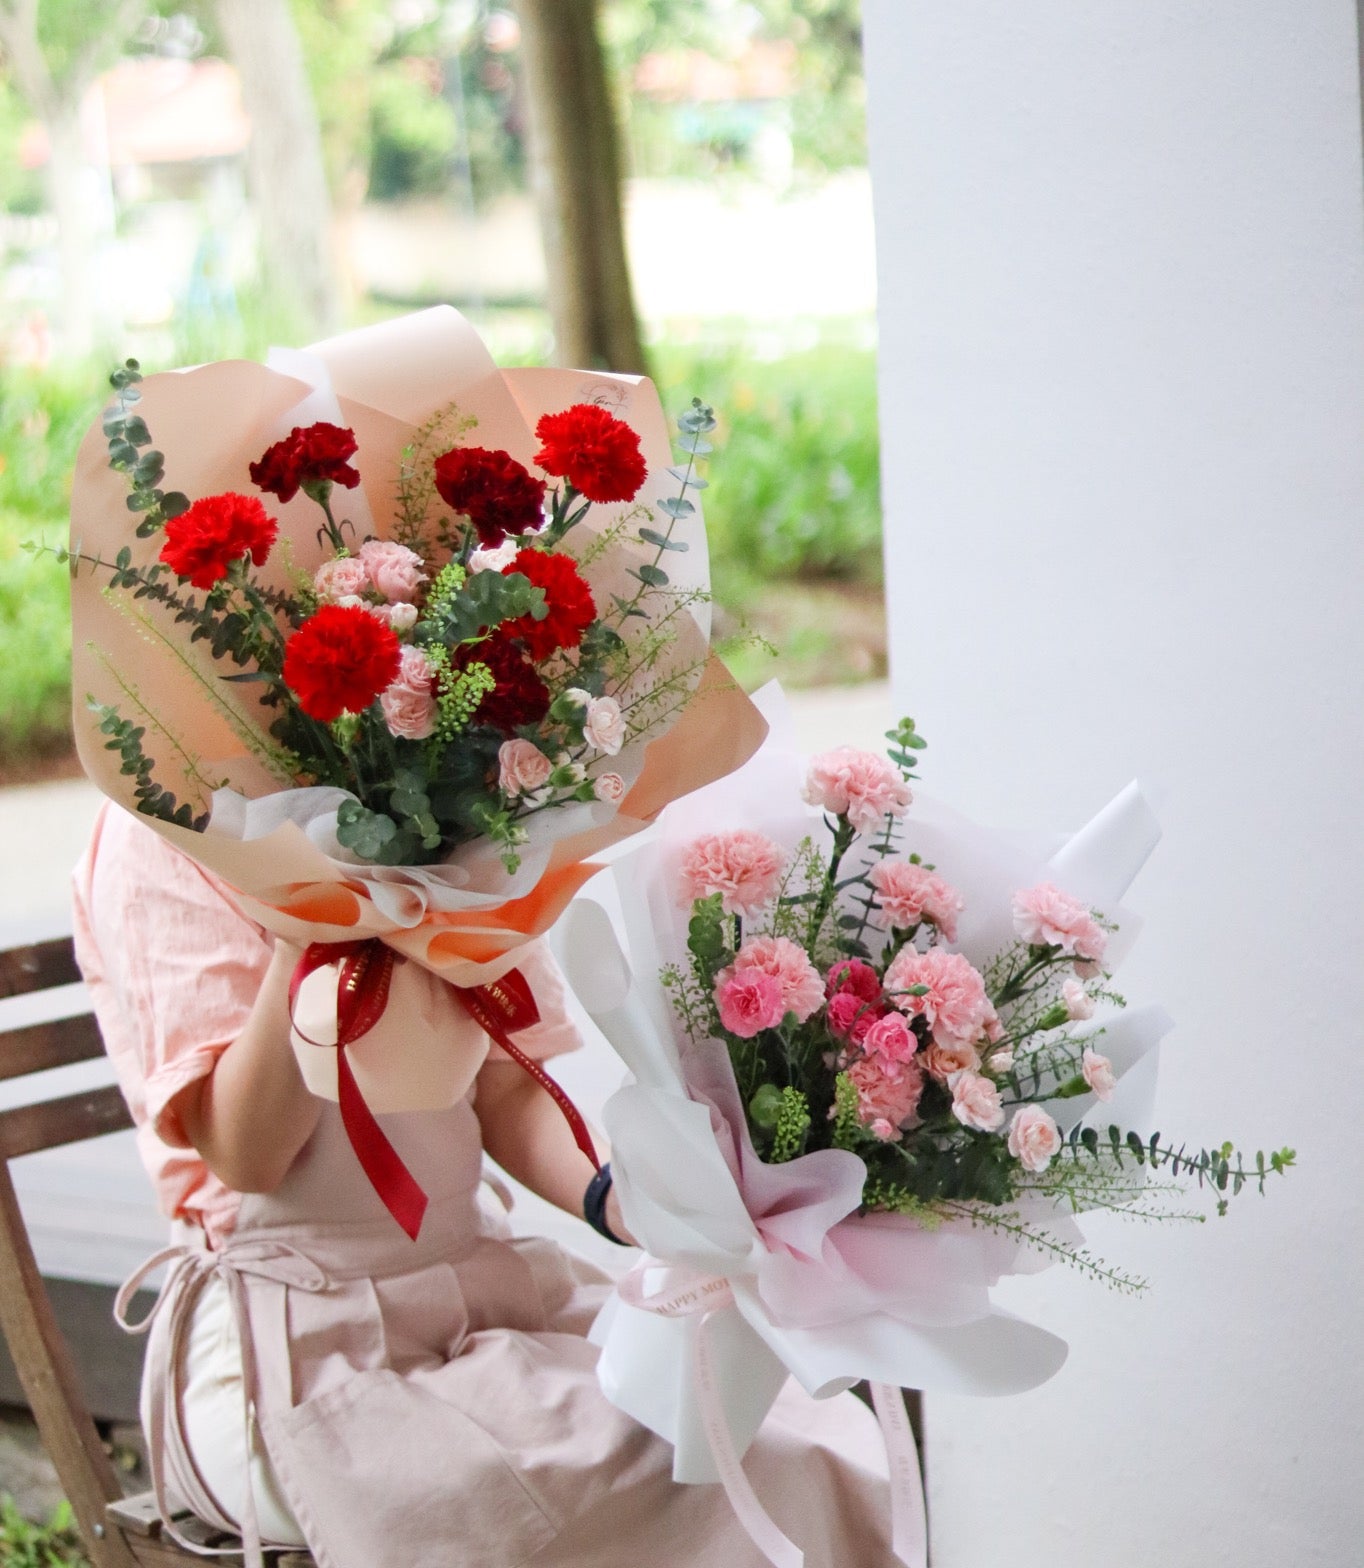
1098,1073
409,703
975,1102
743,867
908,894
522,768
1034,1138
1079,1004
340,578
942,1060
885,1104
1044,916
891,1041
749,1001
857,785
802,991
955,1004
396,572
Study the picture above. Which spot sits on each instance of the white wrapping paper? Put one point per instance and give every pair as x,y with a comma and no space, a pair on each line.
819,1292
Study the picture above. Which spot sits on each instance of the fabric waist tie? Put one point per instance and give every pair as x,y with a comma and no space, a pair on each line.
686,1292
190,1268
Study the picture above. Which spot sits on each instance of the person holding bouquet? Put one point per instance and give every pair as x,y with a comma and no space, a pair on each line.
383,750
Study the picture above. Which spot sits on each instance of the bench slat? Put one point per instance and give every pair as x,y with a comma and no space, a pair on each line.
27,1128
56,1043
37,968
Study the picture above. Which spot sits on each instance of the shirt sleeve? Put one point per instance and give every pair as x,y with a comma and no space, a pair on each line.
174,967
556,1032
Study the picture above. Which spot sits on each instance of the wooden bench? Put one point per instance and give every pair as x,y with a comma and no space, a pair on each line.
118,1532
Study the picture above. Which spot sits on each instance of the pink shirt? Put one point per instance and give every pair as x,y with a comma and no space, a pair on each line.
173,969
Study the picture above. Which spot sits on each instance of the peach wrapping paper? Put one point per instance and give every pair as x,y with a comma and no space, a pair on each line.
463,921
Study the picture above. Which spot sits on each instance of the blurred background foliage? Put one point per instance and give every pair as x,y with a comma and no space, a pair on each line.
722,106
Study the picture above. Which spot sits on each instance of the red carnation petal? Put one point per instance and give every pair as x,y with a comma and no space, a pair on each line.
204,540
567,596
339,660
597,453
497,494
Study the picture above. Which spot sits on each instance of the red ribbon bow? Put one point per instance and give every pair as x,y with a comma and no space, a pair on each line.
499,1008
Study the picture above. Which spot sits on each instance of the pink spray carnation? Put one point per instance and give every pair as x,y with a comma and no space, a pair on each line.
975,1102
907,894
802,991
955,1004
749,1001
1079,1004
1044,916
858,785
409,702
1034,1138
1098,1073
342,577
743,867
396,572
522,768
885,1104
940,1061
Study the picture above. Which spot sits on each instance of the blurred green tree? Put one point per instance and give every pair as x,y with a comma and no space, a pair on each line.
287,174
52,53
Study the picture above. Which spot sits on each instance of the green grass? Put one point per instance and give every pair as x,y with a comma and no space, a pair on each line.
24,1544
42,420
793,500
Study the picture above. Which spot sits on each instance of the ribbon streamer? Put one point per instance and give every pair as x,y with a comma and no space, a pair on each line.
361,996
498,1008
685,1293
505,1005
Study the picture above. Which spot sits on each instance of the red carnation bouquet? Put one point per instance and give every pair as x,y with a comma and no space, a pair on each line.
392,641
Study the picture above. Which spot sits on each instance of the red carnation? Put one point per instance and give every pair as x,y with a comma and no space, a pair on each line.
569,599
203,542
311,456
339,660
596,452
497,494
520,696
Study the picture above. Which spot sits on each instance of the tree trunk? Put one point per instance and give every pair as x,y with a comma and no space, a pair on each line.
575,164
288,179
66,178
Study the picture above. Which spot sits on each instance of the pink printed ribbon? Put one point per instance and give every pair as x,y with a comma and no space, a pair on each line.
686,1292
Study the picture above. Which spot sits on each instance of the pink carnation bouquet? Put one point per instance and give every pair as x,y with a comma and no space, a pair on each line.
880,1064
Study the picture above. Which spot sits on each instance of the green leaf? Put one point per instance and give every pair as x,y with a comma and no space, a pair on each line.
140,501
175,503
675,506
651,576
661,541
626,608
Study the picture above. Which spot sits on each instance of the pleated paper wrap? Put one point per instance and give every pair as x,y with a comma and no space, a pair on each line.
464,921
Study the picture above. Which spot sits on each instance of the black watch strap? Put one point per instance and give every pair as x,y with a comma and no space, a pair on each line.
594,1205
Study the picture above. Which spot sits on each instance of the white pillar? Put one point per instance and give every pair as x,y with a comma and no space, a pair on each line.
1121,273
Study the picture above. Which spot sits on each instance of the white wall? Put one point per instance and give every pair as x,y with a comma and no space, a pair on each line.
1120,248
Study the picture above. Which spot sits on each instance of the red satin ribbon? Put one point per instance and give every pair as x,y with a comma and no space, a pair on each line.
498,1008
505,1005
361,996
